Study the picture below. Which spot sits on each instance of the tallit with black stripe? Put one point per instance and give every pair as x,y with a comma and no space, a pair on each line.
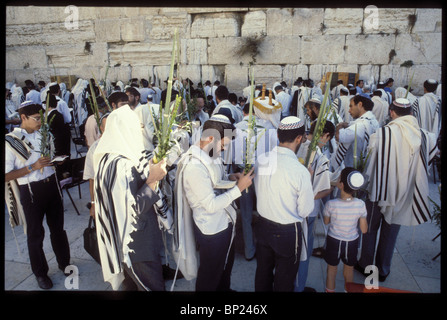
398,171
427,110
118,157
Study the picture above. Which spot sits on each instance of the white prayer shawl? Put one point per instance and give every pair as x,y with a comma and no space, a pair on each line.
343,108
79,107
285,101
184,245
398,170
366,126
400,92
304,95
17,97
120,150
380,110
427,110
145,114
234,110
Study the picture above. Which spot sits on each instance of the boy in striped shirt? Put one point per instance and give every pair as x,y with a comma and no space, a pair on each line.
344,215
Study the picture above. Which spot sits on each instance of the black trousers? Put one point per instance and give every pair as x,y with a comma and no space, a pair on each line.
214,274
277,255
44,201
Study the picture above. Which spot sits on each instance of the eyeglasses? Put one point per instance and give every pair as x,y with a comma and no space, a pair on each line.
35,119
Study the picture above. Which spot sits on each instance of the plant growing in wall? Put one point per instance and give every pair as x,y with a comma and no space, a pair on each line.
250,46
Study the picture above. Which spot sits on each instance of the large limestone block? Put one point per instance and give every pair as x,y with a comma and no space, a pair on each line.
211,73
95,56
216,25
163,26
369,49
255,24
279,22
369,73
351,68
292,72
280,49
420,48
161,74
108,30
123,73
57,33
133,29
342,21
213,10
428,20
225,50
268,74
142,72
23,35
28,57
191,71
194,51
36,14
388,20
237,77
307,21
136,53
318,71
322,49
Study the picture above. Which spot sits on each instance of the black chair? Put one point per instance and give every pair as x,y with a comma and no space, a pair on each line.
80,146
76,178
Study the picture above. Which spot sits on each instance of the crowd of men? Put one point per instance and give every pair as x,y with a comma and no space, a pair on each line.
369,173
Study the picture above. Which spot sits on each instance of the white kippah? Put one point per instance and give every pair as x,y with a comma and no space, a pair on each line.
432,81
355,180
290,122
52,84
315,100
26,103
402,103
220,118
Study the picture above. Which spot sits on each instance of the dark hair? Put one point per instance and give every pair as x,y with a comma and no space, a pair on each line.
174,93
232,97
290,135
367,103
344,178
377,93
246,108
52,101
278,88
54,89
329,127
358,82
352,90
117,97
133,91
401,111
430,87
30,109
222,93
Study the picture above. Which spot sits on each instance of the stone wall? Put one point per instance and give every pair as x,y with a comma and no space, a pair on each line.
292,42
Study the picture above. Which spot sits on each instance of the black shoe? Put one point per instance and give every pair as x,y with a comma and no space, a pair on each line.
318,252
309,289
44,282
359,268
169,274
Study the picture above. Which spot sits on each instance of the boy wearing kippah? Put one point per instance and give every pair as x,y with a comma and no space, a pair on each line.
344,215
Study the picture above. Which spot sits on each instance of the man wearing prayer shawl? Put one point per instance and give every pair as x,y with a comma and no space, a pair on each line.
427,109
127,205
204,211
364,125
380,109
283,187
401,153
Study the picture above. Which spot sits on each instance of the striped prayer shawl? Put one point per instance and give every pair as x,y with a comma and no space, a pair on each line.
398,170
427,110
22,148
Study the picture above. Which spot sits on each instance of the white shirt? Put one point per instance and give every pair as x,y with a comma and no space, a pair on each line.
12,162
62,107
283,187
89,170
34,96
208,206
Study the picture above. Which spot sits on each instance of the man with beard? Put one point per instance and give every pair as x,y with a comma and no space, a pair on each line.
283,186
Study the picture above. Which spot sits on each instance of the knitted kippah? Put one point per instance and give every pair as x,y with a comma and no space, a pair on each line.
402,103
290,122
220,118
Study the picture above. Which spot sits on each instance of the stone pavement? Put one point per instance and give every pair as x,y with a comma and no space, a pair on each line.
412,266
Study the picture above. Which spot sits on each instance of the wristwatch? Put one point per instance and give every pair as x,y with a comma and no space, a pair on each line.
30,168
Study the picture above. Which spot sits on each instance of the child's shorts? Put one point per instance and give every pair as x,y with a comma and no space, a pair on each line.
339,249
